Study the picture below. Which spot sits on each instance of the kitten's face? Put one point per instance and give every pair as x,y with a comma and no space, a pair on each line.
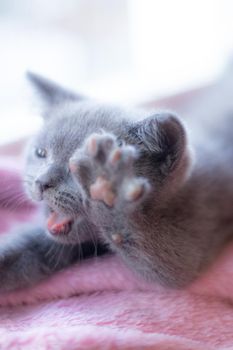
48,177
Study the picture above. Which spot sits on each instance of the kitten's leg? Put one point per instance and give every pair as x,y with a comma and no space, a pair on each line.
117,197
29,255
123,206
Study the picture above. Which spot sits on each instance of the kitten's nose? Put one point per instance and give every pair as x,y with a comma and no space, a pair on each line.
51,178
44,183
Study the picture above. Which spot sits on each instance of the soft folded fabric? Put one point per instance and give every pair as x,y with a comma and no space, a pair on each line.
100,304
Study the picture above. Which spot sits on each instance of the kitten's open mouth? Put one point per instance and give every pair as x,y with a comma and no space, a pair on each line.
59,224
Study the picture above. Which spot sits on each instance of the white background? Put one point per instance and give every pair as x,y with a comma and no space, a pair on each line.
116,50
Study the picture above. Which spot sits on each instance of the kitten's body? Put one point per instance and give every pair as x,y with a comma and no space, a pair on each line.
166,215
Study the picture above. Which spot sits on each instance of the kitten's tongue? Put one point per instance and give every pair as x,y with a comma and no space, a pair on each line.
58,224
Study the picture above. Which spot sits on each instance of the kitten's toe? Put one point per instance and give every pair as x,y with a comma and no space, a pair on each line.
121,158
135,189
99,146
81,167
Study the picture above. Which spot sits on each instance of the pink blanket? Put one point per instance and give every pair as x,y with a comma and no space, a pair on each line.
100,304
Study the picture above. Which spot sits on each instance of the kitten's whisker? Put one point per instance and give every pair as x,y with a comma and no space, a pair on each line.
53,253
49,251
59,256
14,201
93,239
80,251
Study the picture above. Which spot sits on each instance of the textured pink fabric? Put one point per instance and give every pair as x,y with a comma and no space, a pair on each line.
101,304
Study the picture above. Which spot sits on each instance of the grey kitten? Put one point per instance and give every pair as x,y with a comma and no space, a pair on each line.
122,181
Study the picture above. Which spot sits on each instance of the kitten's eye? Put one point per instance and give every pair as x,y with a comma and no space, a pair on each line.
40,152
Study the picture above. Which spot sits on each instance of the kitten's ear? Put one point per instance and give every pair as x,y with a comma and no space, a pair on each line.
50,94
164,136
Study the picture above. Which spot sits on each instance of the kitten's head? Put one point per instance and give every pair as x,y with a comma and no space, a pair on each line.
68,119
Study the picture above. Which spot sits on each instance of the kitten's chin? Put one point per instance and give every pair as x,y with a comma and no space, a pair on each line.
63,239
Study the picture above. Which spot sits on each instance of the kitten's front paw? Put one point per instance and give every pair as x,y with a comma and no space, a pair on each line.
109,170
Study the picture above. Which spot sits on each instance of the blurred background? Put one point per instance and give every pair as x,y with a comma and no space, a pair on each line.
126,51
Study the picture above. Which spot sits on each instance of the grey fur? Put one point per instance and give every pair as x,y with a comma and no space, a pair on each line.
177,226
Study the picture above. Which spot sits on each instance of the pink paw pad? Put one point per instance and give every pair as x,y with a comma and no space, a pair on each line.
116,156
102,190
134,190
117,238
